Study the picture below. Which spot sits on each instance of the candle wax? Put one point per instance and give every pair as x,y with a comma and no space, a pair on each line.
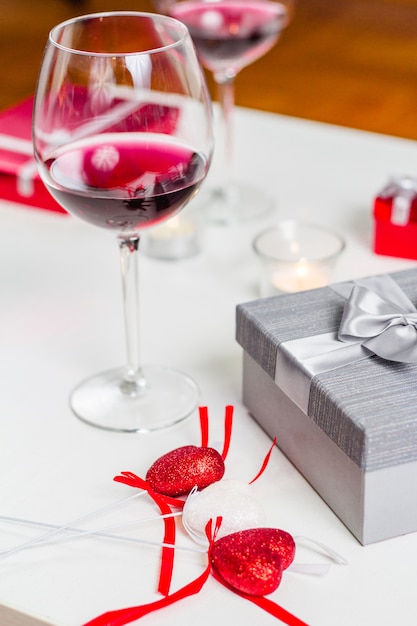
299,277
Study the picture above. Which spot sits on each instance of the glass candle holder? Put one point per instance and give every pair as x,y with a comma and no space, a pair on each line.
296,256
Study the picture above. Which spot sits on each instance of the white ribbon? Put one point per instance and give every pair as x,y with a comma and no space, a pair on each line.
403,190
27,172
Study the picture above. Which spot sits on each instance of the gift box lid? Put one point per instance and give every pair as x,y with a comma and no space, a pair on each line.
365,403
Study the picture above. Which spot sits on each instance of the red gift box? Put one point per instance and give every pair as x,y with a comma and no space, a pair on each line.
395,219
19,178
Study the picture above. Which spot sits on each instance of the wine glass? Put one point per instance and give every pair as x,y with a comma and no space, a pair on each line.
229,35
122,131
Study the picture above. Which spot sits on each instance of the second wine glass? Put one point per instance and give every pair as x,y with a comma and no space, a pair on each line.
229,35
123,139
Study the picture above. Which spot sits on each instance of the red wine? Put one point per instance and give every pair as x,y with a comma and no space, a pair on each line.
230,34
124,181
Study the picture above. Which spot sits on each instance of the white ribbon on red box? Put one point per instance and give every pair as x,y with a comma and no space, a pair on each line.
27,172
403,190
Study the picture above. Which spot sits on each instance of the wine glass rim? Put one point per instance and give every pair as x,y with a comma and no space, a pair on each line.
182,32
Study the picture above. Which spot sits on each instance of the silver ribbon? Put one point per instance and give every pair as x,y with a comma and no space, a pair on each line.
378,319
382,319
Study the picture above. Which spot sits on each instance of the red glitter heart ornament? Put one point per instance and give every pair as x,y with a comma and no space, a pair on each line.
251,561
178,471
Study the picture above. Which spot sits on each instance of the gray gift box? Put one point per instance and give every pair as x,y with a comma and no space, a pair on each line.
345,417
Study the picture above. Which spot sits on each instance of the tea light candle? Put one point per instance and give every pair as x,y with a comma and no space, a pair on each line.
175,239
299,277
296,257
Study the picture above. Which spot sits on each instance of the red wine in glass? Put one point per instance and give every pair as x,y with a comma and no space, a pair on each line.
124,181
232,33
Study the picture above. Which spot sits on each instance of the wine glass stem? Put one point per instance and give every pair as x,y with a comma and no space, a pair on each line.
134,381
225,82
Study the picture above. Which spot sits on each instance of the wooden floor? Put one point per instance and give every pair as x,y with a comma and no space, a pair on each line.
347,62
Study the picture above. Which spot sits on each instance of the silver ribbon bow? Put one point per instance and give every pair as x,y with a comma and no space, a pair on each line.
382,319
378,319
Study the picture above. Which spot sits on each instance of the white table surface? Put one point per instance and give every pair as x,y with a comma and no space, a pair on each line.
61,320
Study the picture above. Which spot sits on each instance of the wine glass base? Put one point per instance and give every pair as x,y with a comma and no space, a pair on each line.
168,397
238,202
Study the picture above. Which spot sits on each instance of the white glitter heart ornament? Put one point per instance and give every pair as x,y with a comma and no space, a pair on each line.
230,499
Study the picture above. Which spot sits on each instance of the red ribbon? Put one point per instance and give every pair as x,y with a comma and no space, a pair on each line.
125,616
163,502
265,462
264,603
228,422
204,426
276,610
